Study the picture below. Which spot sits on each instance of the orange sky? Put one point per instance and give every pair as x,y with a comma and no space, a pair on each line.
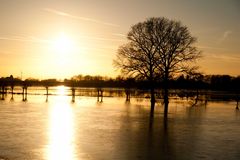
32,34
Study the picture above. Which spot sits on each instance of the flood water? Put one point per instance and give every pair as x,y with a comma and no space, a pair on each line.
116,130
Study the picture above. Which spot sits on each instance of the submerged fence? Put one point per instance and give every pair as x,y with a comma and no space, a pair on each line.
194,96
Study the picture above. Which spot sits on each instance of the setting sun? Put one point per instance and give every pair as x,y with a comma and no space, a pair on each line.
63,45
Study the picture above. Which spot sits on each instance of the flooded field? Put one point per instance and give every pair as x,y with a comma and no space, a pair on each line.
116,130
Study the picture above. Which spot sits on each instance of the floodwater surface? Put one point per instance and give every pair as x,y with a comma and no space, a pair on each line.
116,130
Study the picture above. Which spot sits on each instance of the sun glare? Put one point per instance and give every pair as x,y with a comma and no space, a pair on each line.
63,49
63,45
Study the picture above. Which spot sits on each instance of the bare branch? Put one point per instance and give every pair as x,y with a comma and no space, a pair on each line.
157,47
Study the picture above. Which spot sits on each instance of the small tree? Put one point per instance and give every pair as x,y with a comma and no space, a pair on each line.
157,48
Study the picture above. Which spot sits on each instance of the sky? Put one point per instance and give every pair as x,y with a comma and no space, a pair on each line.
62,38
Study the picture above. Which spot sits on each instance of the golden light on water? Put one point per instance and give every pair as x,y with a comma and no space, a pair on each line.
61,131
61,90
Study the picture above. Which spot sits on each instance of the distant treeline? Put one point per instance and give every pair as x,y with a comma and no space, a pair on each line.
196,81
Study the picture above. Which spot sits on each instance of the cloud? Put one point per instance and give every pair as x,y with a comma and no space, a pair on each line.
6,53
119,35
209,47
56,12
230,58
102,38
33,39
225,35
24,39
60,13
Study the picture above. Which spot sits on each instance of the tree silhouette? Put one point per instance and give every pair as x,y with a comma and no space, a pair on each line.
157,48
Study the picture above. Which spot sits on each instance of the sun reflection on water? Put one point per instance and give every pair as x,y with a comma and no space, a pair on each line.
61,90
61,132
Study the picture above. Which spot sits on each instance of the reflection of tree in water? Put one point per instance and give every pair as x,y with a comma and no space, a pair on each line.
237,98
199,100
194,98
237,105
144,137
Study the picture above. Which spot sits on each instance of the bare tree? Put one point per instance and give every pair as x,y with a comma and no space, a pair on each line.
157,48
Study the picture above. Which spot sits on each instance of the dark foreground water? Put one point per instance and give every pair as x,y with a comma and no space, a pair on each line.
115,130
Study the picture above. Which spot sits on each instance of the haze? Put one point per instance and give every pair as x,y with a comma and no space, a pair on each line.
57,38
